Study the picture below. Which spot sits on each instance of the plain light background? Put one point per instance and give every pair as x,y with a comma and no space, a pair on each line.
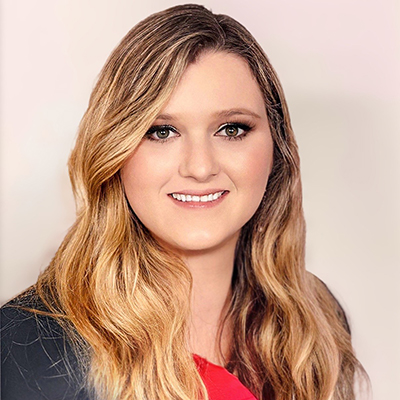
339,63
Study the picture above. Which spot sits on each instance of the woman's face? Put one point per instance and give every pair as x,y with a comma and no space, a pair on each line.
200,172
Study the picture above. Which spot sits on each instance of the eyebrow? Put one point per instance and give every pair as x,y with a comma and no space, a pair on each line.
223,113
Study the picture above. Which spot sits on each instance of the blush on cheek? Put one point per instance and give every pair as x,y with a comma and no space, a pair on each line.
258,164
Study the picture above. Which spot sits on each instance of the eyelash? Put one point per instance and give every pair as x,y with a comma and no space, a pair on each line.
245,127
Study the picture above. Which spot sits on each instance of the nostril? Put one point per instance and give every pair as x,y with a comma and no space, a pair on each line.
199,164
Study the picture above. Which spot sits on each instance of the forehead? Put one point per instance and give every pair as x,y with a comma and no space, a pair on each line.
216,81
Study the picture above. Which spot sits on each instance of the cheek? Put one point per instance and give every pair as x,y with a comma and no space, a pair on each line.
134,178
147,167
253,168
139,176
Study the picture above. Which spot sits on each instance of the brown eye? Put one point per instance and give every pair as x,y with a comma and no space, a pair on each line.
231,130
162,133
234,130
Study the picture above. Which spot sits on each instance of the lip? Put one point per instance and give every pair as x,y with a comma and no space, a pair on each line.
199,204
199,192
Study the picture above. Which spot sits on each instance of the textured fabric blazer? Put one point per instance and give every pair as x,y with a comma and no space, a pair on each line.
37,361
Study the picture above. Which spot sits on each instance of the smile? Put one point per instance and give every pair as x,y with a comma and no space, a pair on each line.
197,199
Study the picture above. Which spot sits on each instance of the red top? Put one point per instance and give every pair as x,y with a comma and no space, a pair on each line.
220,383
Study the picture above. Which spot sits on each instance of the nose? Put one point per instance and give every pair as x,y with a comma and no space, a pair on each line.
198,159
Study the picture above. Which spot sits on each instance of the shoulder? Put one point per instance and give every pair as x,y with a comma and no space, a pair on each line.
37,360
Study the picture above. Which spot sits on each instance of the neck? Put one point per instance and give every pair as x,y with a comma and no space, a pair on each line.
212,275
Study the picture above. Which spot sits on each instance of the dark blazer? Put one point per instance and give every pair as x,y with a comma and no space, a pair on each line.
37,361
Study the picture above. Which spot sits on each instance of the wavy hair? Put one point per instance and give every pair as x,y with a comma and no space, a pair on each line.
127,298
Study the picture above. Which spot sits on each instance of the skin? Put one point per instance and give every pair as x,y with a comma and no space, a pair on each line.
198,156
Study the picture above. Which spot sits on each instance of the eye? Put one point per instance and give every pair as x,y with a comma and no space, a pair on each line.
161,133
233,130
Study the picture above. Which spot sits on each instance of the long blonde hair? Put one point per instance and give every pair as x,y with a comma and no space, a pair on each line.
127,299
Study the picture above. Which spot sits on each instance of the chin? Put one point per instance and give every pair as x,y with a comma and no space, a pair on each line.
200,241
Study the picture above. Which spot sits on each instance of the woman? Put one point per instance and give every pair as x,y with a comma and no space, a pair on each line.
183,276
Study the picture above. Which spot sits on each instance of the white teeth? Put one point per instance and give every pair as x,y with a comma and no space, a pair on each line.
203,199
